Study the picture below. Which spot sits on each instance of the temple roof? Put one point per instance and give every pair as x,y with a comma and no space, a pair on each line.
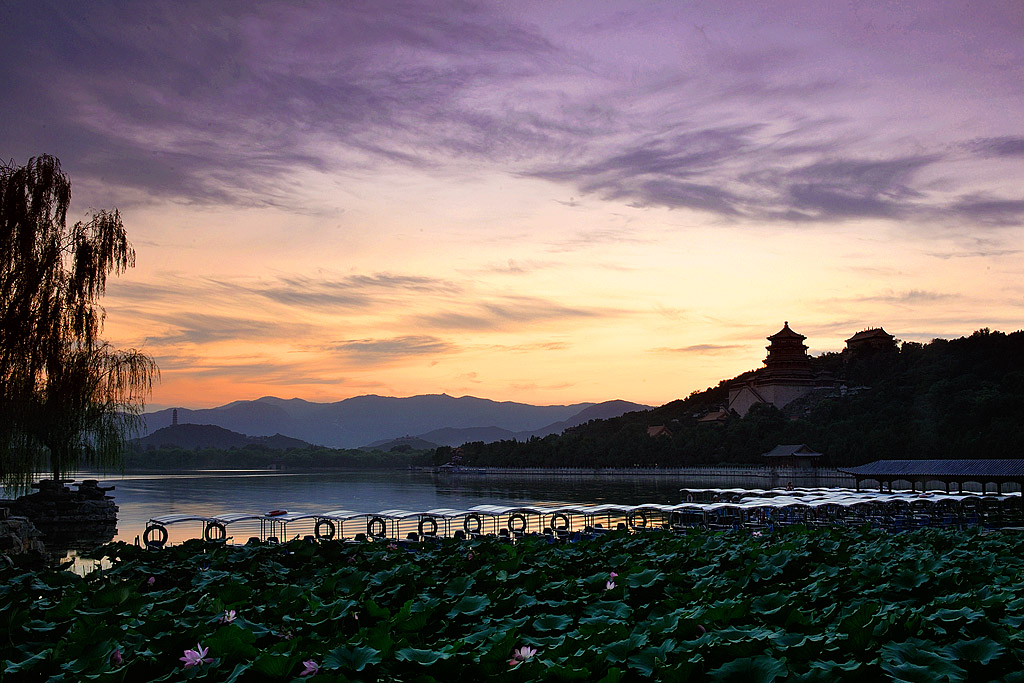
786,333
939,468
791,450
874,333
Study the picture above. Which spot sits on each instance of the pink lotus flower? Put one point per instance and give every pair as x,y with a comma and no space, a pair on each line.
523,654
150,581
229,616
609,585
196,657
115,657
312,668
612,575
392,546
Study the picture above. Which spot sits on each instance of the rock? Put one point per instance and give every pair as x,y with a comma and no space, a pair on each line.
70,520
19,536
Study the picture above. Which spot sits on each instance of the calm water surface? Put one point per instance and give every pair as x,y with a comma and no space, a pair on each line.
142,496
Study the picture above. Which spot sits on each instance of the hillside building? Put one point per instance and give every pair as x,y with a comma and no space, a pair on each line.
791,455
870,341
786,376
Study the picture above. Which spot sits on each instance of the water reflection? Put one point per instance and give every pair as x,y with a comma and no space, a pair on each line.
142,496
502,488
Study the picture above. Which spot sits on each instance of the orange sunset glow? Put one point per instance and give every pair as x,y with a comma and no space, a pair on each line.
535,202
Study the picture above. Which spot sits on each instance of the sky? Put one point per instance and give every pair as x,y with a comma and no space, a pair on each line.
547,202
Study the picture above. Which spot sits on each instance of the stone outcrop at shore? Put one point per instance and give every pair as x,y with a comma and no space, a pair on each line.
18,536
66,519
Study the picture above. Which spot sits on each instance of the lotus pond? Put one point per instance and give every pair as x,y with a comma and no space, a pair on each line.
805,605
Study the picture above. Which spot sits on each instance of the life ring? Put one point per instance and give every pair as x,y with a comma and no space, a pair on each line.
675,519
560,516
517,516
633,517
210,535
331,529
474,517
433,526
158,542
372,523
277,513
689,497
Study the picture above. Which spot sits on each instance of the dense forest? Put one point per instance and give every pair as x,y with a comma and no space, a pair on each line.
946,399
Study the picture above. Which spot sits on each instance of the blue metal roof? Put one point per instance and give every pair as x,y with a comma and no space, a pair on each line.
901,469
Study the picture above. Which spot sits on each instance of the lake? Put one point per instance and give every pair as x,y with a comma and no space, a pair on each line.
142,496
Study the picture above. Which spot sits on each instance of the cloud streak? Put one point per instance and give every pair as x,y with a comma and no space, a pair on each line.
393,349
699,349
404,193
225,105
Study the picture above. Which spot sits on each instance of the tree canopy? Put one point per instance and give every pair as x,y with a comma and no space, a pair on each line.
961,398
66,396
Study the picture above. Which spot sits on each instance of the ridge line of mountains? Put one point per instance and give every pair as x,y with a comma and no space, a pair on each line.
371,421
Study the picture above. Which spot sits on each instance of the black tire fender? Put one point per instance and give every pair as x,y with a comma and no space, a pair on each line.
372,524
433,526
517,516
474,517
215,532
331,529
161,539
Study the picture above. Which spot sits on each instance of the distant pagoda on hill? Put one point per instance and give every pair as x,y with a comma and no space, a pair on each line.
786,376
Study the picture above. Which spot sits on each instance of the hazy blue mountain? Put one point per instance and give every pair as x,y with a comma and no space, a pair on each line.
450,436
599,411
365,419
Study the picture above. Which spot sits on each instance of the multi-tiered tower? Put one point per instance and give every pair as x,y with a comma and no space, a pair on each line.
787,375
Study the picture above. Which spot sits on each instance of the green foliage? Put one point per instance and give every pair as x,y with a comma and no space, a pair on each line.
947,399
66,396
685,607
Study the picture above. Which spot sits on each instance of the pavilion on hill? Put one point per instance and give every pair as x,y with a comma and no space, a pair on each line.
786,376
868,341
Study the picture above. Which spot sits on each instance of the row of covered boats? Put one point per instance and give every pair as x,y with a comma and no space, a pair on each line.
754,510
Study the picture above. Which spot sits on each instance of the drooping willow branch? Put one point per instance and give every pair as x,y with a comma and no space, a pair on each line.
66,396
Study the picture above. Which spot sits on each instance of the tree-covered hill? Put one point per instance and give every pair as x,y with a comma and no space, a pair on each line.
962,398
212,436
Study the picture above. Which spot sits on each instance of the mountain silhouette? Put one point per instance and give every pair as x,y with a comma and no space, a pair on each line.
364,420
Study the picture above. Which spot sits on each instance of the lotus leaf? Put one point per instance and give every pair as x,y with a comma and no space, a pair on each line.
351,658
760,669
552,622
424,657
981,650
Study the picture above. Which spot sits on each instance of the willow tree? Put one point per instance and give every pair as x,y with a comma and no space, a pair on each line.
67,398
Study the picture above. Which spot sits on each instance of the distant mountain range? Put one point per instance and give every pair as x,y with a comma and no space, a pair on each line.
451,436
369,420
